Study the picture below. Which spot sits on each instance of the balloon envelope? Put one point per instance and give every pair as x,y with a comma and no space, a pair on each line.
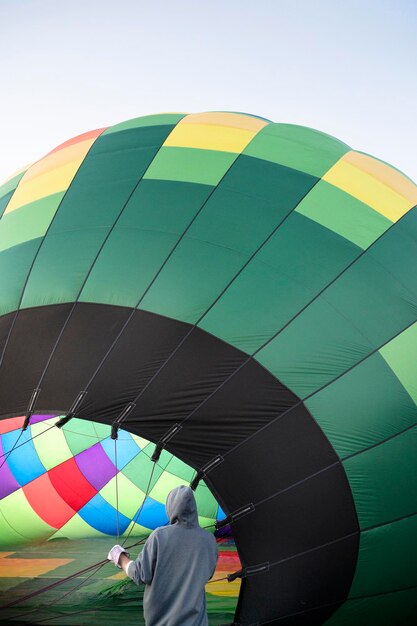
248,290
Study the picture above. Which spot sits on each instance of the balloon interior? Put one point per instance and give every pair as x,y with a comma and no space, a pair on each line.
220,300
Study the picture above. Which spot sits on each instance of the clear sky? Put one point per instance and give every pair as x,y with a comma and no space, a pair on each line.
348,68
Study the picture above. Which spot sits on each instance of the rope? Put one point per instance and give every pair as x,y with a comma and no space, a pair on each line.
140,541
117,491
16,447
84,611
33,594
217,580
36,610
100,565
6,455
139,511
60,598
97,565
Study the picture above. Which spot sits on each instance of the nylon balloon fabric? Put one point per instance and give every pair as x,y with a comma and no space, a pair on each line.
69,483
242,293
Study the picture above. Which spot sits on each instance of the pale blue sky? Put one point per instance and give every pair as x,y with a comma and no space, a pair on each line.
348,68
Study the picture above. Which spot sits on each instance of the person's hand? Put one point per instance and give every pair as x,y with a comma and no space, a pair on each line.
114,554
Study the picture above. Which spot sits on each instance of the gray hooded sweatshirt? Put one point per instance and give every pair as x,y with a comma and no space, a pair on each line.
175,564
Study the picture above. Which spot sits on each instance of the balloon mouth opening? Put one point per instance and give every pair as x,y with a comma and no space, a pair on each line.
76,482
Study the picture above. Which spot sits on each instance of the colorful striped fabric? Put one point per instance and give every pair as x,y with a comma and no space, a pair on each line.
63,483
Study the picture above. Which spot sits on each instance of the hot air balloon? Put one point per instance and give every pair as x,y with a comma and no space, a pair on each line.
242,294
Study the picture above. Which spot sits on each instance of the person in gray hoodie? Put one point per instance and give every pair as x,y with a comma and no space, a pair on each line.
175,564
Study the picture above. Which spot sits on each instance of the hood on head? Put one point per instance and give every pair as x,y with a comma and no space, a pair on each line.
181,507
